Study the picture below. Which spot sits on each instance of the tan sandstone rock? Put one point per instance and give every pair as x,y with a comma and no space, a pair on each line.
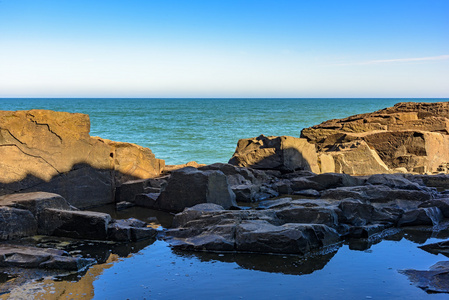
42,150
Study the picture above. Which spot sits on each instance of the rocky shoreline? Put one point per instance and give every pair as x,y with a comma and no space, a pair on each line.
360,178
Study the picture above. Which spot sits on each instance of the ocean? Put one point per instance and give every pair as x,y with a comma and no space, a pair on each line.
202,130
207,131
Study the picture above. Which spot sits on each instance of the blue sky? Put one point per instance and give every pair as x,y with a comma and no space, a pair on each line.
137,48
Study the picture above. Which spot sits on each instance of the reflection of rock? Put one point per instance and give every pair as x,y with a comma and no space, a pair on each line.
437,248
51,151
435,280
291,264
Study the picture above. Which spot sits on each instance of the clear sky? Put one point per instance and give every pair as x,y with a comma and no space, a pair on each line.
189,48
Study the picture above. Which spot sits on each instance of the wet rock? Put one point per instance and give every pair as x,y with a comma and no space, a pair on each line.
31,257
365,231
189,186
261,236
377,194
123,205
308,193
435,280
15,223
213,229
147,200
442,204
421,216
308,215
357,213
282,153
74,224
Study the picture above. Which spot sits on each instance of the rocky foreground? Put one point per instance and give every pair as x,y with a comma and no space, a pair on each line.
363,177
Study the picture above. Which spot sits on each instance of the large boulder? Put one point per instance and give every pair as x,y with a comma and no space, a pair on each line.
190,186
42,150
284,153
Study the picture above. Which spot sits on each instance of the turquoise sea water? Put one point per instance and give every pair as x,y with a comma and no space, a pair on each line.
203,130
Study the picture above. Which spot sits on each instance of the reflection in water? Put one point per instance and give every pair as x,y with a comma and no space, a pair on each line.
285,264
59,285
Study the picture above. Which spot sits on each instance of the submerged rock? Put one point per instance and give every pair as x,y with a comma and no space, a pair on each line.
435,280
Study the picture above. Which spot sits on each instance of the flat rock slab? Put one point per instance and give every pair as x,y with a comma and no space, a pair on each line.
35,202
74,224
41,258
435,280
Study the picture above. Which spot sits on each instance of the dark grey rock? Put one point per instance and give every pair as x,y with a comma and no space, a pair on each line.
308,215
74,224
308,193
421,216
35,202
376,194
261,236
442,204
15,223
435,280
147,200
31,257
189,186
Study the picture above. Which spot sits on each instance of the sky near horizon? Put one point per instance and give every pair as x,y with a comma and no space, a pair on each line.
179,48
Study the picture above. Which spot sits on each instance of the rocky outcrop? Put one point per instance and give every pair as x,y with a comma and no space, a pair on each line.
408,137
210,227
43,150
343,208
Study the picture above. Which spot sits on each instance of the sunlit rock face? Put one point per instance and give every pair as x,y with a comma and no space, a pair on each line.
42,150
406,138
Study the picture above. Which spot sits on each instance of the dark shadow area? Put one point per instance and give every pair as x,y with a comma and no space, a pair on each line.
83,186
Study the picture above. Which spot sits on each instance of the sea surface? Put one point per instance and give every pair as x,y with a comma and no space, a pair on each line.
207,131
202,130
